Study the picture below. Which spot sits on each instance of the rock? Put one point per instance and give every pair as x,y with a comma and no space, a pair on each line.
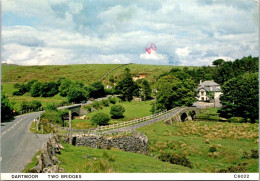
51,169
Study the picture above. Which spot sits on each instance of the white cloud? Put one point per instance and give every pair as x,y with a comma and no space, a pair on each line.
75,7
116,32
153,55
182,52
23,55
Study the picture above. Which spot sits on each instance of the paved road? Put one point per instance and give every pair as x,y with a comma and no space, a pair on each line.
18,144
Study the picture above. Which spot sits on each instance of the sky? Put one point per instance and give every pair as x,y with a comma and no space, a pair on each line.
180,32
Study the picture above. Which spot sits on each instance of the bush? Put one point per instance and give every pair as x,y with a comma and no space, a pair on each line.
117,111
52,116
212,149
6,108
100,119
36,89
96,104
105,102
35,105
49,89
177,159
237,120
77,94
51,106
112,100
88,107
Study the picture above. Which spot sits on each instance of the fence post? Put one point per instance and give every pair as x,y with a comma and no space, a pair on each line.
37,124
42,128
70,133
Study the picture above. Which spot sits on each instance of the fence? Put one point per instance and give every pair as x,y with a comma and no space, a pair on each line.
102,129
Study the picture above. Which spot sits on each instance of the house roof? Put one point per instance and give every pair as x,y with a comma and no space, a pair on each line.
208,83
214,89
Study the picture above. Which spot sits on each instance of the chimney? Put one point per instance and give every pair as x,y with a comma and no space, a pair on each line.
200,81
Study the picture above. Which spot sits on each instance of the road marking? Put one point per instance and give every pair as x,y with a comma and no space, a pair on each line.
12,126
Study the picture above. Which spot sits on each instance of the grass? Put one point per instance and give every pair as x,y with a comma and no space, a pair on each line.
17,100
84,72
32,163
209,114
194,139
132,110
89,160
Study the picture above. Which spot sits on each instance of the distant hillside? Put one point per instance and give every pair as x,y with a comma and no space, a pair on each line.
84,72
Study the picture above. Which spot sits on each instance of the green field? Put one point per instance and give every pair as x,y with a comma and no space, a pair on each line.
86,160
85,72
132,110
194,139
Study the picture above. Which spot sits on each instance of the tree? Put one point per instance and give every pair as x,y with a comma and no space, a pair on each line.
51,107
218,62
146,90
231,69
36,89
35,105
64,87
127,87
172,92
49,89
6,108
240,97
77,94
52,116
100,119
22,89
96,90
117,111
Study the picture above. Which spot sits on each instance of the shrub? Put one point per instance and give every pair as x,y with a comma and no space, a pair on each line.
100,119
177,159
88,107
96,104
6,108
240,168
237,120
117,111
51,106
35,105
212,149
52,116
36,89
105,102
254,154
77,94
112,100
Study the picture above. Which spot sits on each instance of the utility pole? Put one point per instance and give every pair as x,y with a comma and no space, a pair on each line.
70,133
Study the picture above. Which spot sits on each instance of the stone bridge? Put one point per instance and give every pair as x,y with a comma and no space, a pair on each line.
76,109
184,114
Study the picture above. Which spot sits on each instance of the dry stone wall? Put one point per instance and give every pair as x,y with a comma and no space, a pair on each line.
136,143
47,160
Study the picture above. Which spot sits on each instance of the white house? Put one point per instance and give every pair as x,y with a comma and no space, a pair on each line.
204,88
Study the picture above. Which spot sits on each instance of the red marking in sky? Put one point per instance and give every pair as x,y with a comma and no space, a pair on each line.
152,47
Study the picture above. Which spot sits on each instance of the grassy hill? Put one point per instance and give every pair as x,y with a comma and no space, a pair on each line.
85,72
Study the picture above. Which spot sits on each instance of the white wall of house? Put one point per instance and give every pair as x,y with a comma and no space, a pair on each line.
217,94
203,95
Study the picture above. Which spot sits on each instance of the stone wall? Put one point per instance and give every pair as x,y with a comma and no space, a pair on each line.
137,143
47,160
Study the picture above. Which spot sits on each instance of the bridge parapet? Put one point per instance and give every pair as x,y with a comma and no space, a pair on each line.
76,110
187,113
